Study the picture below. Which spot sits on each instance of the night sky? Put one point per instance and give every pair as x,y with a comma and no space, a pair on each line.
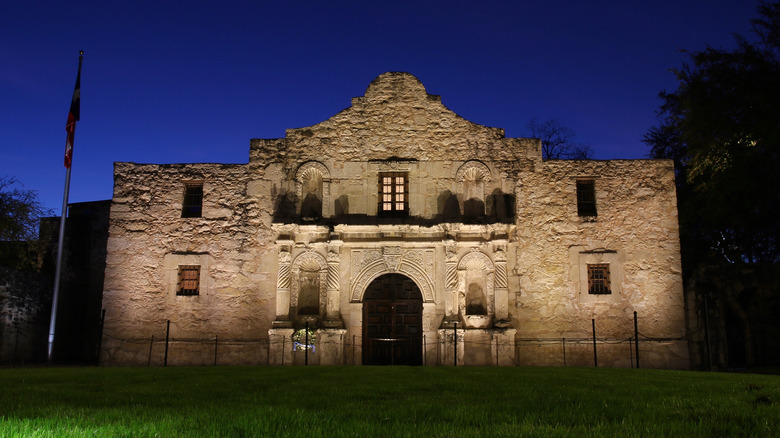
193,81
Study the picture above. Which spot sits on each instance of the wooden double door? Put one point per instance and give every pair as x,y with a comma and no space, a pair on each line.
392,322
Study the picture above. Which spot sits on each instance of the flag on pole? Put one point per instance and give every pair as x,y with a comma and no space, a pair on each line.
73,116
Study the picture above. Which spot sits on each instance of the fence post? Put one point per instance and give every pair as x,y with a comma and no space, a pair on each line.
636,337
16,346
167,337
100,336
564,352
353,349
496,351
283,339
456,344
216,344
306,348
425,350
151,343
707,333
595,356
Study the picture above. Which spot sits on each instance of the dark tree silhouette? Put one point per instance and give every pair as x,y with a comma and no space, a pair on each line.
558,141
20,211
721,126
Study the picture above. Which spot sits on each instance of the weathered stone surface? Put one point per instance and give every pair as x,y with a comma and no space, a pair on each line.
492,240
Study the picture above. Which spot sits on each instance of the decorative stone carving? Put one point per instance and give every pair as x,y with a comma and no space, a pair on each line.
500,257
499,253
473,170
501,297
283,287
392,257
333,292
450,283
284,254
369,264
364,257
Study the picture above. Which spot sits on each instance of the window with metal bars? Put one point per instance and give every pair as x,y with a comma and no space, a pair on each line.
393,194
598,279
586,197
192,205
189,280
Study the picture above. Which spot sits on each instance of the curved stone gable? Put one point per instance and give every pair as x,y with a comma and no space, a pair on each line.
395,118
396,86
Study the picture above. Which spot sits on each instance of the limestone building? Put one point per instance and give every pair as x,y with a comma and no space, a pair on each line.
400,233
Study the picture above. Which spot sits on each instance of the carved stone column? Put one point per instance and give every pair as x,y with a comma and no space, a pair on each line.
333,288
326,204
450,283
283,286
501,304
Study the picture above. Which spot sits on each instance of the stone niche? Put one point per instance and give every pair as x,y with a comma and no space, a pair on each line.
484,336
476,277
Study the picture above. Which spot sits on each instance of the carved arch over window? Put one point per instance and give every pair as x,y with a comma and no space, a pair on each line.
312,183
308,285
473,179
476,290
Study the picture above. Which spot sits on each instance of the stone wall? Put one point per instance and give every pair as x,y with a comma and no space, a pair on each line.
25,302
148,239
636,231
526,248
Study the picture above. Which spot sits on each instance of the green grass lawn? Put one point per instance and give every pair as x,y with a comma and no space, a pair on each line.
385,401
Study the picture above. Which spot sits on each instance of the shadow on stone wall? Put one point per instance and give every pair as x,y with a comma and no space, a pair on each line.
498,208
284,210
26,291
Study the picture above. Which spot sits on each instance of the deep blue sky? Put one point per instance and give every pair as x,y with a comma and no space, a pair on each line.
193,81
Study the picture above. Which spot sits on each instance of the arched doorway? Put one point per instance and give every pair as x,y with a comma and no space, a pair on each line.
392,322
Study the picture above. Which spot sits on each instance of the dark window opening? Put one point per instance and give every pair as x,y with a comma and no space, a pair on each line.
192,206
189,280
586,198
393,194
598,279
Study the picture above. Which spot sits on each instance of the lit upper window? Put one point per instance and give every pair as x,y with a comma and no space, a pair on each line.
393,193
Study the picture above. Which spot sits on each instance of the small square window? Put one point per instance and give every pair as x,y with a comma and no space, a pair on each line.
586,198
598,279
192,205
189,280
393,193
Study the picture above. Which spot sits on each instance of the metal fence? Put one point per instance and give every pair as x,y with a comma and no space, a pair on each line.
452,349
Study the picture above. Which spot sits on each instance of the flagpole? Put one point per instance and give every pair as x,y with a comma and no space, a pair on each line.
58,271
73,116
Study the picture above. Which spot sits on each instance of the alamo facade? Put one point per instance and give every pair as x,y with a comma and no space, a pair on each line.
400,233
